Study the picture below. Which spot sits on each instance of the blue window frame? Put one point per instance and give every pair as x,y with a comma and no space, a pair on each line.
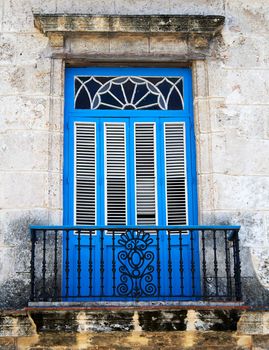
130,103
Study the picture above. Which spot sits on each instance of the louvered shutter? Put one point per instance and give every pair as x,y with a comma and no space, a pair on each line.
176,196
115,164
85,188
145,174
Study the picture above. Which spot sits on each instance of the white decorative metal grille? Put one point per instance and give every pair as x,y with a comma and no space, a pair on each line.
132,92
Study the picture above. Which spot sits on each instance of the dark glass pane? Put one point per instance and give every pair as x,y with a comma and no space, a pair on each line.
134,92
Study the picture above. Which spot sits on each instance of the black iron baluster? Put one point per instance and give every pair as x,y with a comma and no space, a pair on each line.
102,265
181,264
44,269
113,264
204,265
237,266
90,263
55,265
79,261
170,264
158,263
33,242
215,263
67,269
192,264
136,236
228,265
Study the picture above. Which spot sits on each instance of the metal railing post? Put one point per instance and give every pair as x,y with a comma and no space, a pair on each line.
237,266
33,242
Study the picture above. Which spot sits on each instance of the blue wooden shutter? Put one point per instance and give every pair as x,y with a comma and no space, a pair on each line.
175,169
115,173
145,174
85,174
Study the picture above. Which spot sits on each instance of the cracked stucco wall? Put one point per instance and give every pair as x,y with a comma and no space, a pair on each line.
231,116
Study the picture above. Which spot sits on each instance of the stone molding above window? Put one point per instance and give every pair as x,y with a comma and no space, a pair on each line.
195,31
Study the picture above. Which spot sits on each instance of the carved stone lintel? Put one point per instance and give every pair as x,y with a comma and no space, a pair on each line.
56,40
198,30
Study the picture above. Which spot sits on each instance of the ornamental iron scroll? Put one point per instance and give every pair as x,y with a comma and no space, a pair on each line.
129,92
136,268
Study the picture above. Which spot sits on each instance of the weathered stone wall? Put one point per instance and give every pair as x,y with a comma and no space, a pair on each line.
231,116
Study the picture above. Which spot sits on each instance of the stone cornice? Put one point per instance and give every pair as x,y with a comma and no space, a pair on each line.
196,30
155,24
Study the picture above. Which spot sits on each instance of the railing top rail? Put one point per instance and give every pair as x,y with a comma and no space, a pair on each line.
123,227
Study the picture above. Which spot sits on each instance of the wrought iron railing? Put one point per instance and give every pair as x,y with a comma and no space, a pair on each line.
90,263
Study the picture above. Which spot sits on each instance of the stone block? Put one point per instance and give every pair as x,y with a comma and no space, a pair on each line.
55,186
217,320
55,217
171,45
57,78
204,154
229,149
267,127
250,323
6,255
252,49
252,225
203,115
145,7
16,325
56,120
260,342
261,264
23,190
33,80
84,321
24,150
18,15
22,48
24,113
131,44
206,194
162,320
248,16
205,7
240,192
200,81
235,84
55,152
93,6
247,121
224,117
14,224
87,45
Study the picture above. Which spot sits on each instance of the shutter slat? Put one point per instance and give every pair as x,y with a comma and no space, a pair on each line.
176,196
115,160
145,174
85,173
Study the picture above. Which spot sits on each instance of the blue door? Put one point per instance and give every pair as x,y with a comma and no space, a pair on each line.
129,161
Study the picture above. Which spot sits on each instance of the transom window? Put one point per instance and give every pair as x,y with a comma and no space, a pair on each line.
129,92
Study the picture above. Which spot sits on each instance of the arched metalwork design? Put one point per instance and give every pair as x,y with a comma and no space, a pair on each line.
129,92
